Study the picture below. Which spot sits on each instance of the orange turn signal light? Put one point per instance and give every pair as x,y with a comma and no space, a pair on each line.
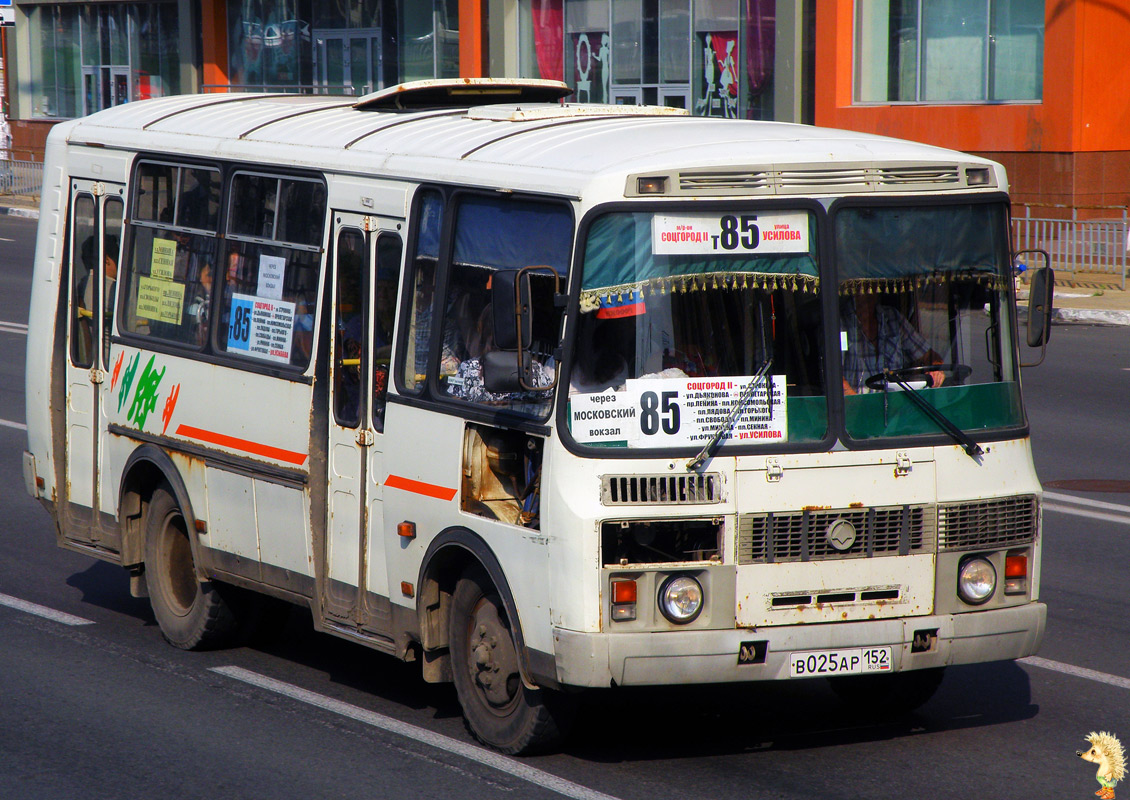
623,591
406,529
1016,566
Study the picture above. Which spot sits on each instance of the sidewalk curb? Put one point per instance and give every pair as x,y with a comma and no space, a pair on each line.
1091,316
1082,316
15,211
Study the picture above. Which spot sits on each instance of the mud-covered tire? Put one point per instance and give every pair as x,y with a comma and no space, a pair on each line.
888,695
498,708
192,615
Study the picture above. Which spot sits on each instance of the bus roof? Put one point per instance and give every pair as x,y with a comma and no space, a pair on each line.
547,147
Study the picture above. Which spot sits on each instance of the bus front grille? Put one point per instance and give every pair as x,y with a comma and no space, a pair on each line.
988,524
639,490
821,534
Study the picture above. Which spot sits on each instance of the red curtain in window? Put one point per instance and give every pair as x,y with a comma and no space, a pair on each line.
760,23
549,37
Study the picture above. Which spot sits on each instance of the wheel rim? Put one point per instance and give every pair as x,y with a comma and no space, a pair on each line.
178,571
492,658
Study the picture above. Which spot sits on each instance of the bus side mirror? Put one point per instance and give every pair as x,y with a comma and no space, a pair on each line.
511,313
1041,294
1040,302
513,318
503,373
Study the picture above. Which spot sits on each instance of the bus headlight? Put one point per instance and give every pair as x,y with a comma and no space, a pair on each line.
680,599
976,580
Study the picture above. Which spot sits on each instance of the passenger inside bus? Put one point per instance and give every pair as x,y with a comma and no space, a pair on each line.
85,291
200,305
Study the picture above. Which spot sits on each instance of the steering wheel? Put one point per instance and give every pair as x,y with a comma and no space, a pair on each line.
879,380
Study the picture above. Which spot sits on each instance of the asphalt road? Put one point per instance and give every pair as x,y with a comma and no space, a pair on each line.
99,706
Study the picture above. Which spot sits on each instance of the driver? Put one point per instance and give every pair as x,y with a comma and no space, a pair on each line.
879,337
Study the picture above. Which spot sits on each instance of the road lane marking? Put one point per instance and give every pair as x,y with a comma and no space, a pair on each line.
1079,512
1082,507
42,611
1078,672
7,423
480,755
13,327
1086,501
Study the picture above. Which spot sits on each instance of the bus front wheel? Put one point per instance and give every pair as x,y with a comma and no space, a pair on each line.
498,708
192,614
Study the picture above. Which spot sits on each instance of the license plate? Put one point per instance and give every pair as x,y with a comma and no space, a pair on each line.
855,661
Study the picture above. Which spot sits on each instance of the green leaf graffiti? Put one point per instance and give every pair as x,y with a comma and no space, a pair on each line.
127,378
145,400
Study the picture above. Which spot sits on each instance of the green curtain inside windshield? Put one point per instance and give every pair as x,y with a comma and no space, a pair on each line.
907,244
619,261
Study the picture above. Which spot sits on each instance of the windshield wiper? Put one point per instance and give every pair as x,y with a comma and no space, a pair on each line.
735,412
971,448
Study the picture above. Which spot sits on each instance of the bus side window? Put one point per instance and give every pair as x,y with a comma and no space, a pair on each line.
491,235
169,261
429,224
84,252
351,312
112,212
272,268
389,250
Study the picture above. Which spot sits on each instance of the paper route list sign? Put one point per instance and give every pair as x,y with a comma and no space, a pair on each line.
261,327
673,412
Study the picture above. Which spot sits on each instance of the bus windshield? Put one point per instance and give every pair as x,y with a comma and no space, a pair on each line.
679,310
924,294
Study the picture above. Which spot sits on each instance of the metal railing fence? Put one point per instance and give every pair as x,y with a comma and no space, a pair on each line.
21,177
1094,246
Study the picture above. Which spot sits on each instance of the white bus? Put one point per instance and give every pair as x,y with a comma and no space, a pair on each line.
540,396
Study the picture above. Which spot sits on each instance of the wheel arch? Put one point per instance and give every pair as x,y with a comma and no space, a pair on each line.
147,468
448,556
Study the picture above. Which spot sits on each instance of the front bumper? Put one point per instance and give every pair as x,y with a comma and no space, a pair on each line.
711,656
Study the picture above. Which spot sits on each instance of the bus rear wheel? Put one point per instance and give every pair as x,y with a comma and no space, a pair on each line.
498,708
192,614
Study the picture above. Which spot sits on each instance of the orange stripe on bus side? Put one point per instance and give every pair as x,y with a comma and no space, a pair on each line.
235,443
419,487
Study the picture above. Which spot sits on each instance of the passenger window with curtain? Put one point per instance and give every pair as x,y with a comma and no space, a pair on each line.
171,255
271,268
492,235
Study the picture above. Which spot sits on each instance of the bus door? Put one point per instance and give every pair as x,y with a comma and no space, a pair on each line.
367,270
94,248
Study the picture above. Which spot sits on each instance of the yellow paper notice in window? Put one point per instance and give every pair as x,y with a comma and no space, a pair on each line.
164,259
162,301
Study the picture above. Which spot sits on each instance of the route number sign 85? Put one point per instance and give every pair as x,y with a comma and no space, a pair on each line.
659,409
705,233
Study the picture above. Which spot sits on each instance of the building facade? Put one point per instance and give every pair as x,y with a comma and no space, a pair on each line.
1036,84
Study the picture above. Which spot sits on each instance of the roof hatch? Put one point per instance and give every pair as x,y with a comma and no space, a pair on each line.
462,93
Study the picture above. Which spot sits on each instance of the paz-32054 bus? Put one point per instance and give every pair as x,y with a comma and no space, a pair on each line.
540,396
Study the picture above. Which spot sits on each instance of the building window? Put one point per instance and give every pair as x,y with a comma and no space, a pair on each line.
949,51
269,44
540,39
429,39
712,57
89,57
